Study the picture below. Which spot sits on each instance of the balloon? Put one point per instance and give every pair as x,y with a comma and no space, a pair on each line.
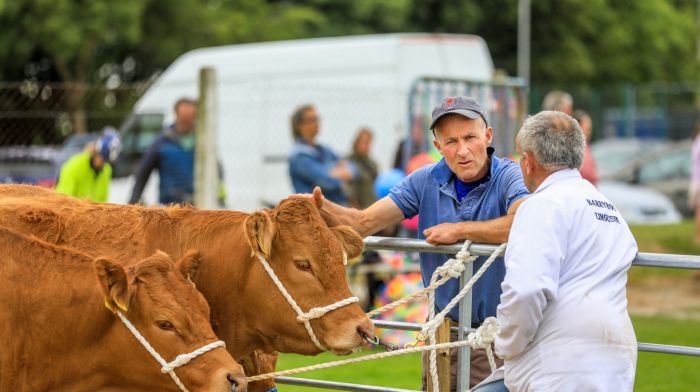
410,224
414,312
418,161
386,181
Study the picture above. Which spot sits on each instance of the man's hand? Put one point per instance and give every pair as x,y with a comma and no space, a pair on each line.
318,197
444,233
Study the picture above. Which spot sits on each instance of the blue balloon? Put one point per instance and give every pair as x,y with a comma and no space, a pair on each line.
386,181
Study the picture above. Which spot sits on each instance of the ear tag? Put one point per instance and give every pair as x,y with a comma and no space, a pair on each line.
108,305
121,306
345,258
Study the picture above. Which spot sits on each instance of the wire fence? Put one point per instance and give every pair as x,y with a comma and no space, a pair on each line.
35,113
253,123
653,110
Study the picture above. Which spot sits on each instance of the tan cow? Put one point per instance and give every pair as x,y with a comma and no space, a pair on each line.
57,333
248,311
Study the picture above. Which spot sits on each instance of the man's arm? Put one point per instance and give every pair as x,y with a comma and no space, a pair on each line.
533,261
494,231
383,213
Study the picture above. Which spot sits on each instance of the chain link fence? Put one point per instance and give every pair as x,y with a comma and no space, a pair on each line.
42,124
655,110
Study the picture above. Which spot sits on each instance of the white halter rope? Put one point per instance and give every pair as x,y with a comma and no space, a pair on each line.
313,313
180,360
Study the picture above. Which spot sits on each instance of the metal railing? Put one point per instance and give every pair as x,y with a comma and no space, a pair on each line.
413,245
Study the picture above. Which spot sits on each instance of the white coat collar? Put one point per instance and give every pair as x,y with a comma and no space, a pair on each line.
557,176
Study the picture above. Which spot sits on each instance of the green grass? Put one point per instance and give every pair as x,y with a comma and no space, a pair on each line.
677,239
655,372
667,238
663,372
402,371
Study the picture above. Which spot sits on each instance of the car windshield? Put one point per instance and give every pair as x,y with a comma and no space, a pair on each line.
612,155
670,165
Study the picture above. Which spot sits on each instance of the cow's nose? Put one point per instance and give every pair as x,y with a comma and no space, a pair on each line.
367,334
238,384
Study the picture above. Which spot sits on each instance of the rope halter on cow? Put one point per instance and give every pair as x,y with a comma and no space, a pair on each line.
182,359
313,313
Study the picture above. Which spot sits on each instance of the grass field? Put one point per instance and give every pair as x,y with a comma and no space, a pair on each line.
655,372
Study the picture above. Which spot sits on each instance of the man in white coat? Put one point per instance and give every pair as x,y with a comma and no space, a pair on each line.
563,315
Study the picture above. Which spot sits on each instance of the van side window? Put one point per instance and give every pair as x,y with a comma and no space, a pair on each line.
139,131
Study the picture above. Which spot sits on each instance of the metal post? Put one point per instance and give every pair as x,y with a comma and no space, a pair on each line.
465,321
205,176
524,40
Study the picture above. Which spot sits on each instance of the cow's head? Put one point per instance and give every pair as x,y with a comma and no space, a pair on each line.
309,258
158,298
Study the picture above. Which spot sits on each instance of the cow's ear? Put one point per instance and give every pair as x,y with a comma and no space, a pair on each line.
259,232
114,284
189,264
351,241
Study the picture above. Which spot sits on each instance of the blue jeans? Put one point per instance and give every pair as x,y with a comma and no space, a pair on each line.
496,386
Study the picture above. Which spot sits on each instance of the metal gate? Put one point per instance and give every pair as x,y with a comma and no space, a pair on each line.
414,245
504,100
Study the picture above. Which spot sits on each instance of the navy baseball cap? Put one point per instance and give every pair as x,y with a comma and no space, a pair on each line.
465,106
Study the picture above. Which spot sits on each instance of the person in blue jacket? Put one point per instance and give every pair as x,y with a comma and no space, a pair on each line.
172,154
471,193
312,164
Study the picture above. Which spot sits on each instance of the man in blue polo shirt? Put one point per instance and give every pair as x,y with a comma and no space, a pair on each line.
470,194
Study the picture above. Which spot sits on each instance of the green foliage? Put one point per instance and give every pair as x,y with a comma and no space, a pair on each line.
77,36
573,41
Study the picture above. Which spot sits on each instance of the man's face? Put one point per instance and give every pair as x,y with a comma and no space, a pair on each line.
462,142
309,125
185,117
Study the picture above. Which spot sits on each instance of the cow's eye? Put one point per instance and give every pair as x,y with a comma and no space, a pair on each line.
303,265
165,325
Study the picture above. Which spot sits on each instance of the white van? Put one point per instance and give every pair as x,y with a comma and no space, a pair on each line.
352,81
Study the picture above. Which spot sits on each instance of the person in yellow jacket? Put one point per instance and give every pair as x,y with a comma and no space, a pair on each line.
87,175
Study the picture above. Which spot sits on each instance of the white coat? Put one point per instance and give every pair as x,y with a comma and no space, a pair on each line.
563,312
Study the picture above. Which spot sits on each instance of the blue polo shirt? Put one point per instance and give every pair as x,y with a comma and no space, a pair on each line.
430,193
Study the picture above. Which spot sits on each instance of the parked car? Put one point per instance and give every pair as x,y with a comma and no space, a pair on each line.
28,165
665,169
639,204
613,155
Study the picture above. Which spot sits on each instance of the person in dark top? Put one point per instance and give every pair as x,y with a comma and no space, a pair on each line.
312,164
362,187
172,154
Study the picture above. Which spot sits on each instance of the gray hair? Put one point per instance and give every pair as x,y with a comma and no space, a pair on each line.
556,100
555,139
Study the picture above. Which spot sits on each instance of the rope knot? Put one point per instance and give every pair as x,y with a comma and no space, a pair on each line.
452,268
485,334
313,313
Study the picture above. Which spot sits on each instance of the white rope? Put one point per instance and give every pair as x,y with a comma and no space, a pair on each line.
314,313
474,340
452,268
482,338
180,360
435,320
